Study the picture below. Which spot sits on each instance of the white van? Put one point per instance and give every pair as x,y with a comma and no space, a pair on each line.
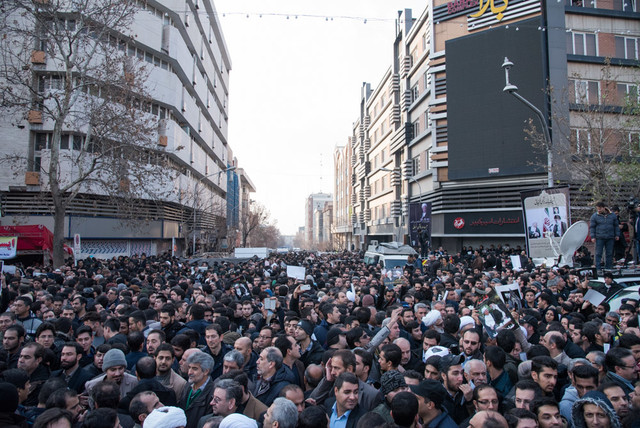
390,254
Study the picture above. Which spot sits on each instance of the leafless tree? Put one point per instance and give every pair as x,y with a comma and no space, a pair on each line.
266,235
251,219
68,66
603,133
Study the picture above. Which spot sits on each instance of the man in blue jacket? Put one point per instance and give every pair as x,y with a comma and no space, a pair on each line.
604,232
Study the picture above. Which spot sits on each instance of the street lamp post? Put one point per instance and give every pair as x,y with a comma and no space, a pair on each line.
513,90
195,195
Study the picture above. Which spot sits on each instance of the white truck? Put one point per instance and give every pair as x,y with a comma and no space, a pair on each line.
390,254
248,252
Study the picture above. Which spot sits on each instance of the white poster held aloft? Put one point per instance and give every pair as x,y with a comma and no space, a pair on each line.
594,297
515,262
297,272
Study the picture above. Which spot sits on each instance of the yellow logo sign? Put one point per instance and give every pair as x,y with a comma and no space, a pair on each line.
484,5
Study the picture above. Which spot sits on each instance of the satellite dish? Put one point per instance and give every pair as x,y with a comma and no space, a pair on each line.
572,239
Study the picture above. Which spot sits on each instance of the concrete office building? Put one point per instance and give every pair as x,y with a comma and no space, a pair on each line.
188,64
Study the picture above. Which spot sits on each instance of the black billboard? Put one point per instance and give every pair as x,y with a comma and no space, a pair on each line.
486,125
484,223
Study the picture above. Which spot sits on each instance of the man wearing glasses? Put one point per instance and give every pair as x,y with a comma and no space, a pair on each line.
622,369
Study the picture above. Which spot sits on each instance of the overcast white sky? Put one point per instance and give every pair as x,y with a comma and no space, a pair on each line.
295,89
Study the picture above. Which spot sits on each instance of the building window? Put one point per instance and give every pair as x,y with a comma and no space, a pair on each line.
581,141
625,5
582,44
584,91
43,141
427,159
628,93
634,142
581,3
627,47
415,92
415,165
415,125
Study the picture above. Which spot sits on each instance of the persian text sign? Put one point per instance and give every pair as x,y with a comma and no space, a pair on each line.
456,6
8,247
483,222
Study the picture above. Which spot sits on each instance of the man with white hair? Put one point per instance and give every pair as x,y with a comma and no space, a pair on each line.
281,414
199,391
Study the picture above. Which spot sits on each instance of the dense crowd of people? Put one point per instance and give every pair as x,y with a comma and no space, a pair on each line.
158,342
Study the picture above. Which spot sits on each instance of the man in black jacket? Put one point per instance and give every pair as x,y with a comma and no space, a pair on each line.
167,318
346,401
216,348
273,376
70,370
146,372
311,351
30,360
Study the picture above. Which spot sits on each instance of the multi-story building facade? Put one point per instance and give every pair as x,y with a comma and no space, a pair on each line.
457,140
314,232
188,67
246,188
342,232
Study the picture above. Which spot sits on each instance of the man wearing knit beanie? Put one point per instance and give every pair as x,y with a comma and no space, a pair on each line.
114,365
392,383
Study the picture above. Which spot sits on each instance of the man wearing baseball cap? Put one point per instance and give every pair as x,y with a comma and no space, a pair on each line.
114,365
431,395
452,378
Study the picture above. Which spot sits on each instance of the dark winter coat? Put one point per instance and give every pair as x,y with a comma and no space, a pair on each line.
199,406
604,226
267,392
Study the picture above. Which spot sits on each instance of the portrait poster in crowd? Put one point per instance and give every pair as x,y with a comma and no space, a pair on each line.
392,277
420,226
511,295
546,219
494,314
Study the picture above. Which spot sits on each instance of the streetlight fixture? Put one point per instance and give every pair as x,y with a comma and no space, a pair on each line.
195,191
513,90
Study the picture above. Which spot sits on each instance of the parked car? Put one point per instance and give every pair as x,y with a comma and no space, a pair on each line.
631,290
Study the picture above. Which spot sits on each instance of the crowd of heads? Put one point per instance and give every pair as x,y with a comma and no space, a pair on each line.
162,342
